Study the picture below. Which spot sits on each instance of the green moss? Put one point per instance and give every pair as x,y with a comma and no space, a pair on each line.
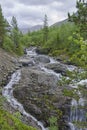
71,93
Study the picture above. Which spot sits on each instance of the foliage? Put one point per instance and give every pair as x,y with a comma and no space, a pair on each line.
80,18
10,37
45,30
71,93
53,123
66,40
14,23
77,49
15,33
10,122
8,44
2,27
14,38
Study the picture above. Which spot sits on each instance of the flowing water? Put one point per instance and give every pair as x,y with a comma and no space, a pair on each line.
8,93
76,113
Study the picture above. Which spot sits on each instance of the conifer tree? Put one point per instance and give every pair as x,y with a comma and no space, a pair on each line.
80,18
15,33
45,29
2,27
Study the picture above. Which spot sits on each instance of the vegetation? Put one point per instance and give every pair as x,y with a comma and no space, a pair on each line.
80,18
67,40
53,123
10,122
45,29
2,27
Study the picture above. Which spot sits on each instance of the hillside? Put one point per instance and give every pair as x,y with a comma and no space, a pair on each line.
60,23
7,120
7,65
31,29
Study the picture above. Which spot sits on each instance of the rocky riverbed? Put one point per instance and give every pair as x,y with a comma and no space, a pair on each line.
39,88
40,94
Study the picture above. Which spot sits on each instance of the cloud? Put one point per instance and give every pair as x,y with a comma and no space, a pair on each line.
31,12
36,2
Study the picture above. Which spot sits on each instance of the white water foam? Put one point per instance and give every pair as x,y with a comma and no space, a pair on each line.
8,93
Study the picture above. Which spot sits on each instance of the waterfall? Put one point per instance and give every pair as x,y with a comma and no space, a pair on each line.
77,112
8,93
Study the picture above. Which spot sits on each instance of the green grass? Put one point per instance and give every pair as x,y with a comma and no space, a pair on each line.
11,122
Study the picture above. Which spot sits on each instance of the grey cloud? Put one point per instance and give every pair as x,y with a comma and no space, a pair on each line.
36,2
7,4
31,12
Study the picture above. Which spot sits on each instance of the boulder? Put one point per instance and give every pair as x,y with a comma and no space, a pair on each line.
26,62
57,67
42,59
40,94
42,50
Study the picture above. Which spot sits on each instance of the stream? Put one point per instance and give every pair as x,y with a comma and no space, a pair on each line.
76,113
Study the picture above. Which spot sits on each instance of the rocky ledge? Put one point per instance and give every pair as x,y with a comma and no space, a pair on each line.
40,95
7,66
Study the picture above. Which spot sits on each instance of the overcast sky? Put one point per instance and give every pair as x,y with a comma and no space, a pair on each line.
31,12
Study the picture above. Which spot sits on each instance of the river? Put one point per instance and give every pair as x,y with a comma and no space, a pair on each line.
76,114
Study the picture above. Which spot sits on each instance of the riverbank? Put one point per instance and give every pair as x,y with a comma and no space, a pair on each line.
45,90
7,66
10,118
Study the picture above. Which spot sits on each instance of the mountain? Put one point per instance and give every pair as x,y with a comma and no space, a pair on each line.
31,29
38,27
60,23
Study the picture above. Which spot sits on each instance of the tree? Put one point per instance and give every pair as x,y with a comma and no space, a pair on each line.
14,23
80,18
45,29
15,33
2,27
16,36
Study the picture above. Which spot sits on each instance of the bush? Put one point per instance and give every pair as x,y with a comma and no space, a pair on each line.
8,45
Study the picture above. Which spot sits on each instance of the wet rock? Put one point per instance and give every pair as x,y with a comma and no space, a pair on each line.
42,50
58,68
41,58
26,62
40,94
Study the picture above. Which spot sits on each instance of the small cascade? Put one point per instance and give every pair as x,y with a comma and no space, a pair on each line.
8,93
31,51
53,60
49,71
77,113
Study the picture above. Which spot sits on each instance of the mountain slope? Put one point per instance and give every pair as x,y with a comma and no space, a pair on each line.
31,29
60,23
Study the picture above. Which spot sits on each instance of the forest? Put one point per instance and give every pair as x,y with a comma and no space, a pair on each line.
65,42
68,40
